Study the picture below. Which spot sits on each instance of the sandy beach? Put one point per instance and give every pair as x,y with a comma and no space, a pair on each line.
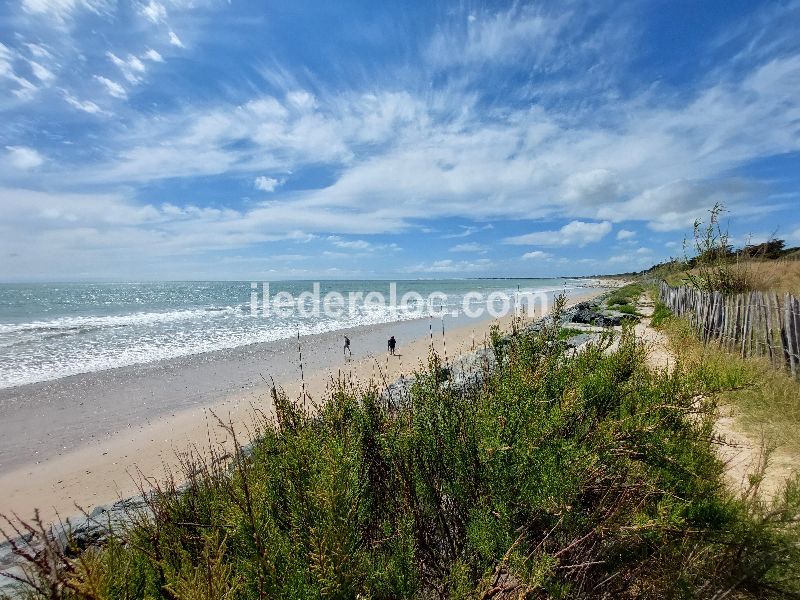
88,439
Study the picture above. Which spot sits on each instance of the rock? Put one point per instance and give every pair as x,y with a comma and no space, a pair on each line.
83,532
587,315
10,563
613,318
576,341
397,393
597,314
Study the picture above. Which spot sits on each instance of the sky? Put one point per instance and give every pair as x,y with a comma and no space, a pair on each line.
197,139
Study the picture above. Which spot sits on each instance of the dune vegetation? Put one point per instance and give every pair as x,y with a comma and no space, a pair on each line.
551,475
715,265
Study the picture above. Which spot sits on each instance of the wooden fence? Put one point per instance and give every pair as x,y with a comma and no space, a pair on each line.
752,324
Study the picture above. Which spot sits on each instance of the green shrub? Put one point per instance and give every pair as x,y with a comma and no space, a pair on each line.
625,295
567,332
557,476
626,308
660,314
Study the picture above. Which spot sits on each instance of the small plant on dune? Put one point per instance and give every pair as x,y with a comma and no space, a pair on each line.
626,308
567,332
715,266
625,295
660,315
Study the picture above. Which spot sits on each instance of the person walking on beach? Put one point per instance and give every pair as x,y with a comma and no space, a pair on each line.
392,344
347,351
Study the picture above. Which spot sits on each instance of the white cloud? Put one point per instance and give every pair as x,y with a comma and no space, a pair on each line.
86,106
402,155
625,234
676,204
349,244
499,37
536,255
426,166
439,155
346,244
594,187
451,266
153,55
467,230
793,238
20,87
61,12
301,100
38,51
154,11
471,247
175,40
24,158
267,184
41,72
112,87
619,259
26,89
6,56
574,233
107,230
131,68
421,165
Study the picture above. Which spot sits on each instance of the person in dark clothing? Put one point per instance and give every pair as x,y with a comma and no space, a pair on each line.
392,344
347,351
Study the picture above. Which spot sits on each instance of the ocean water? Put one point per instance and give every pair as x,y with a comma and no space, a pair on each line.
49,331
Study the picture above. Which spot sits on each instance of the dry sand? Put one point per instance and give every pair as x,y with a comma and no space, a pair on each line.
99,456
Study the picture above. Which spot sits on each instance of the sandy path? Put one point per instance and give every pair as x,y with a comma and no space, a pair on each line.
741,452
102,473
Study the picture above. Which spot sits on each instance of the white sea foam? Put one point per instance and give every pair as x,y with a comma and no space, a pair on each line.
150,346
138,318
46,349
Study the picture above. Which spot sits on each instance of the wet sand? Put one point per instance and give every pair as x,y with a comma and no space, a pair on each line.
87,439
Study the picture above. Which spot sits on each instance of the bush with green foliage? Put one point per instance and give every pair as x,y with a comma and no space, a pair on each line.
567,332
624,298
660,314
554,476
628,309
716,267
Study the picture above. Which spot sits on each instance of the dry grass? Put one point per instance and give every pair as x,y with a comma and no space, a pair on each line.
779,276
767,400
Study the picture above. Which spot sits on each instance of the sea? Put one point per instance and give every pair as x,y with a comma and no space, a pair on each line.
54,330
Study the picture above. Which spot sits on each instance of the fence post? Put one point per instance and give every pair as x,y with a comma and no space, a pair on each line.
751,324
791,332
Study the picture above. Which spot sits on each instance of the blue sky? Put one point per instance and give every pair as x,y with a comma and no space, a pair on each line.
186,139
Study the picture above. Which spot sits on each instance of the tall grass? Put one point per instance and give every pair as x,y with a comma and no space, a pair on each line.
716,266
661,314
625,295
781,275
767,400
556,475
